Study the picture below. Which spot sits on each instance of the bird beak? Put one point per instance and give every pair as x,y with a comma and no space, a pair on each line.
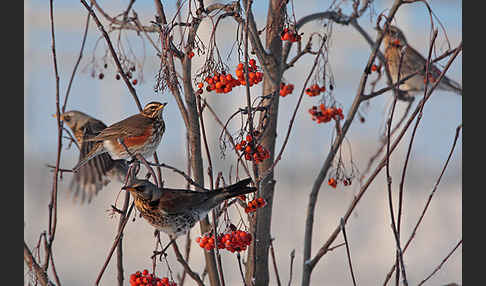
128,188
163,105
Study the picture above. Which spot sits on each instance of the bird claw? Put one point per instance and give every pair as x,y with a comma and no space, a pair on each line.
405,96
160,253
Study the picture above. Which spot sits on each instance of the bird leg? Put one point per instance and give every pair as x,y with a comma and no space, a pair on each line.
147,165
163,252
404,96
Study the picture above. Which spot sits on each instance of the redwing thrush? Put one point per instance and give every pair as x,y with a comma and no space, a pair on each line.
395,44
91,178
175,211
138,134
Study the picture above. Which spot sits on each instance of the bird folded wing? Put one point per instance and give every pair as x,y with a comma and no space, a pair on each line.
129,127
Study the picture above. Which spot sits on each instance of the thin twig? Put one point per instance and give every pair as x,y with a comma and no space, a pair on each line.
115,244
119,249
348,253
274,261
311,263
419,221
292,257
396,232
40,273
114,55
53,202
442,263
184,264
307,265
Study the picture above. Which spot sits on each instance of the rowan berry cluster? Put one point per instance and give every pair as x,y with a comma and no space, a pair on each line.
219,82
333,182
236,240
207,242
323,114
290,35
224,83
255,204
251,150
286,89
314,90
374,68
254,75
190,54
145,279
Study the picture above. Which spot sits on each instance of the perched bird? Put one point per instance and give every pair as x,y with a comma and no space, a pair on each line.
97,173
395,44
176,211
138,134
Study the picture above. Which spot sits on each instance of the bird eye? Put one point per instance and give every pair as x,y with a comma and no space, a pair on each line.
67,118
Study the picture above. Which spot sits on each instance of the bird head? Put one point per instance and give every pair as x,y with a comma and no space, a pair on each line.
74,119
143,189
393,36
154,109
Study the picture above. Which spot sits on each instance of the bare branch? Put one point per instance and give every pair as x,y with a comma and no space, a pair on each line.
113,53
442,263
33,266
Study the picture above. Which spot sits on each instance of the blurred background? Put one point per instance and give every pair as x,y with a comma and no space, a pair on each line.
86,232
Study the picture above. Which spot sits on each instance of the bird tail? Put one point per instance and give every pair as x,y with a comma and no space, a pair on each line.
97,150
450,85
237,189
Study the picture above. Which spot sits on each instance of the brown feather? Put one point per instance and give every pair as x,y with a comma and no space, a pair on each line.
129,127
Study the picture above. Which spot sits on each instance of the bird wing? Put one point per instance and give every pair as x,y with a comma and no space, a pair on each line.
178,200
92,177
129,127
412,61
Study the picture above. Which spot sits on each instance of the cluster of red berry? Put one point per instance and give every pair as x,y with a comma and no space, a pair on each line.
333,182
221,83
207,242
224,83
323,114
236,240
290,35
252,151
190,54
145,279
374,68
314,90
286,89
255,204
254,75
